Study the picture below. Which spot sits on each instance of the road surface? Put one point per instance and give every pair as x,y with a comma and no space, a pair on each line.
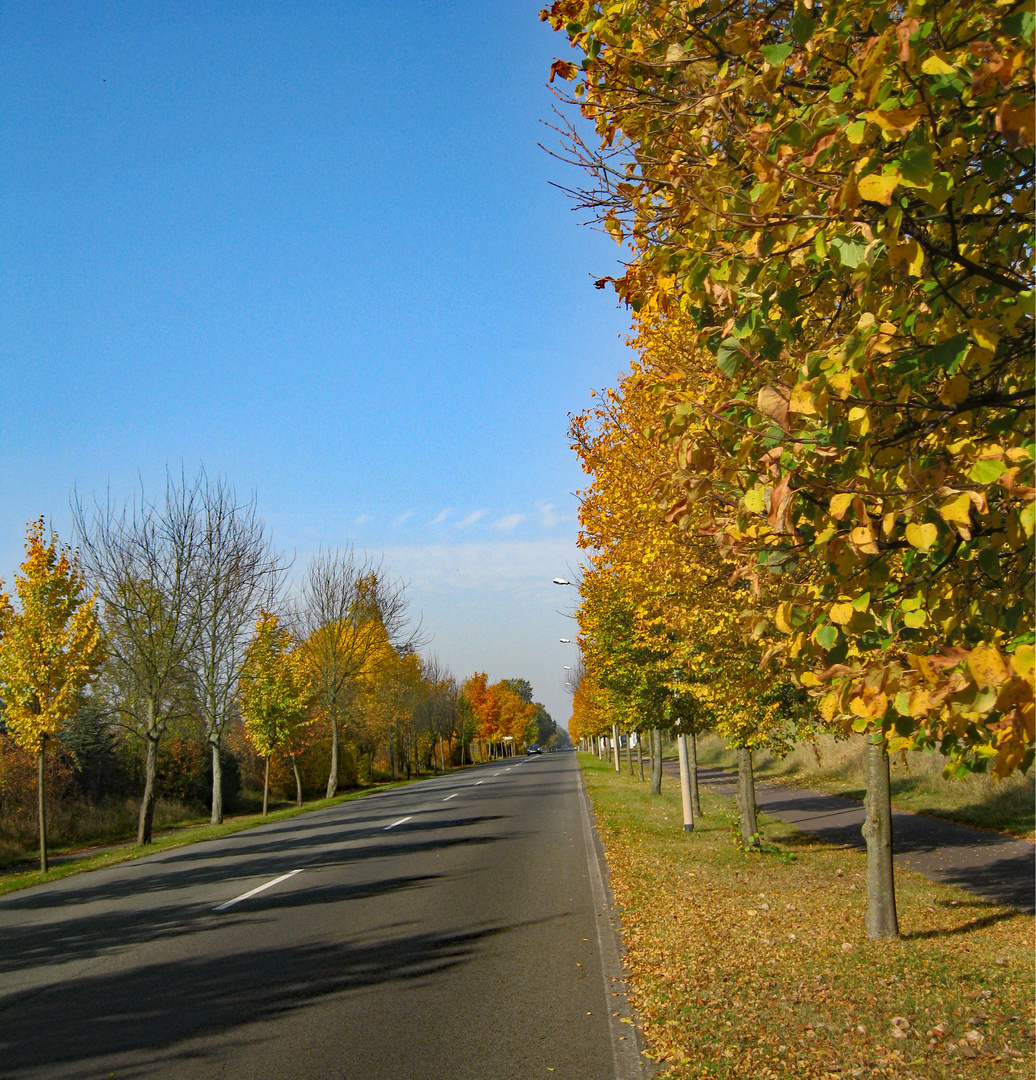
457,927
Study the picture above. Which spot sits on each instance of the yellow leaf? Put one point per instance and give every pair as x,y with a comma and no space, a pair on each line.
782,617
987,665
896,121
754,500
1022,662
878,189
840,503
957,509
922,536
807,678
840,384
864,539
802,399
955,391
908,258
841,613
870,706
935,65
828,706
914,619
984,333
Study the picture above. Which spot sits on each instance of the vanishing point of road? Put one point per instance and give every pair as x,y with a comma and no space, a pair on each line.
456,927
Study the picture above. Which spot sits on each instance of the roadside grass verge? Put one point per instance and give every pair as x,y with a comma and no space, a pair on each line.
179,836
835,766
746,965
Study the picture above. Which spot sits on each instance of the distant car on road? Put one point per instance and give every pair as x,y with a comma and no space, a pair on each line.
533,749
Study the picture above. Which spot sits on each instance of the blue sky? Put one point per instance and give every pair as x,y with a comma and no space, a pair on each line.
314,247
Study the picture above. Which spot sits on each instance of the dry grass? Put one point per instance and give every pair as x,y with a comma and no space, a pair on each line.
836,766
757,966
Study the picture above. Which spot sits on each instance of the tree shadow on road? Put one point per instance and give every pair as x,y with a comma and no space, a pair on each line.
148,1011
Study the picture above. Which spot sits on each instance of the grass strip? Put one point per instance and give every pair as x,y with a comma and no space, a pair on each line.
744,964
180,836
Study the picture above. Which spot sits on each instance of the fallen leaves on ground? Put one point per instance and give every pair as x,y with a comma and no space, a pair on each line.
749,965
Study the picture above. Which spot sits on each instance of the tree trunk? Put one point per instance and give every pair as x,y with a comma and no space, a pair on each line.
298,781
442,756
615,748
880,920
217,786
392,754
43,809
656,761
640,754
332,778
746,796
685,784
692,764
629,751
147,804
266,785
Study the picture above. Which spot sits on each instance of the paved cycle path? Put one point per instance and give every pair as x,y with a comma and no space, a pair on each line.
992,865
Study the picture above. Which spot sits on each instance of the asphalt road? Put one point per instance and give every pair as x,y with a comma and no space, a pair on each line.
456,928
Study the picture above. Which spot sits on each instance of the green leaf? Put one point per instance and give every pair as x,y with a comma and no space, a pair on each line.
802,25
917,166
836,93
775,55
949,353
850,250
987,471
729,356
1019,25
827,636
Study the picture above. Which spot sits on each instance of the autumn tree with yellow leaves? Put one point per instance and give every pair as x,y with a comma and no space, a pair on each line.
660,618
834,203
275,696
50,648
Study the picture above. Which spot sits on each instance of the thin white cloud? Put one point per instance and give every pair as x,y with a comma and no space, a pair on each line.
404,517
476,515
441,516
508,522
548,516
516,567
363,519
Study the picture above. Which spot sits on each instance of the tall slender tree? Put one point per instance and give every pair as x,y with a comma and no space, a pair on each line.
50,648
142,559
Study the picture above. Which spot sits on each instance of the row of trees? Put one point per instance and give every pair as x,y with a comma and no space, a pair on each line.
173,616
827,210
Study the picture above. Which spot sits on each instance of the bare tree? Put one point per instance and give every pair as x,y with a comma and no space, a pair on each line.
236,573
142,560
440,711
348,608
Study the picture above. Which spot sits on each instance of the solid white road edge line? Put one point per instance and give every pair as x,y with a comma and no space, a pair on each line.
453,796
395,823
257,889
477,782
